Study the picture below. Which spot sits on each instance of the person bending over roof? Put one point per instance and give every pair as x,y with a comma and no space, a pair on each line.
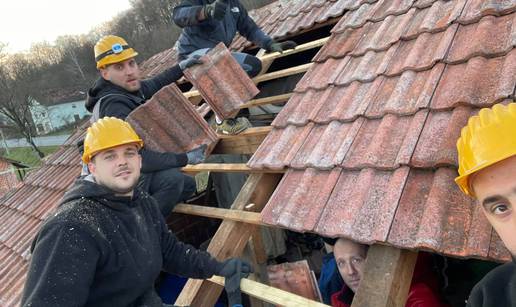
107,242
206,23
350,258
487,172
118,91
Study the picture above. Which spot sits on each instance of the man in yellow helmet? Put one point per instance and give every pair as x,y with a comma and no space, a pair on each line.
118,91
107,242
487,172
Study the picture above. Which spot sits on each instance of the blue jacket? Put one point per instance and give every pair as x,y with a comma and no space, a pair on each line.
208,33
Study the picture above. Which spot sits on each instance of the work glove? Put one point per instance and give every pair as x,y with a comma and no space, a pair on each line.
234,270
197,155
216,10
190,61
281,46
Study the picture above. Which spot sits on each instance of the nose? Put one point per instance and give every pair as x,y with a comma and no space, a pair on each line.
349,269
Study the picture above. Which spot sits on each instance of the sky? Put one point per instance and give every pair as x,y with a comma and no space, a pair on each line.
23,22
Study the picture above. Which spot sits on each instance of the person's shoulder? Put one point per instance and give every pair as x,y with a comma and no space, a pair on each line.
82,211
497,287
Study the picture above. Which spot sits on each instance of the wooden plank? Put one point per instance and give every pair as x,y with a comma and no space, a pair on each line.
267,100
219,213
245,143
230,239
270,294
226,168
387,277
304,47
283,73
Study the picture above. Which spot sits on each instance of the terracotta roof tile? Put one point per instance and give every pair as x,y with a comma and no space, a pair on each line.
479,82
326,145
283,146
434,215
385,143
416,54
223,84
494,36
435,18
437,143
176,126
366,200
476,9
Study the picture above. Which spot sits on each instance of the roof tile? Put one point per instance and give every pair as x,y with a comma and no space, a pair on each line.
490,37
385,143
304,193
222,82
176,126
405,94
326,145
476,9
365,68
416,54
437,144
431,198
435,18
366,200
479,82
279,147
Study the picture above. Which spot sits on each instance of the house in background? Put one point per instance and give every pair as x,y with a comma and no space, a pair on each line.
11,174
57,108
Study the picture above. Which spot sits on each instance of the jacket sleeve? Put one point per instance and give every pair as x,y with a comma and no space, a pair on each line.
62,267
185,14
150,86
185,260
153,161
112,106
250,30
420,295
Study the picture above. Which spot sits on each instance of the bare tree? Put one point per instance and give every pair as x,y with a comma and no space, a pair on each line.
18,78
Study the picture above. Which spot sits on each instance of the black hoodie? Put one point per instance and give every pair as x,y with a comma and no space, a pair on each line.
118,102
497,288
102,250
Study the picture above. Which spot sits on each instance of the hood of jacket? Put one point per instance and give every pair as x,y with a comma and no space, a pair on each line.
101,88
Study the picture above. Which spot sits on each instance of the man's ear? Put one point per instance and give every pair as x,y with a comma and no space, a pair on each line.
92,167
104,73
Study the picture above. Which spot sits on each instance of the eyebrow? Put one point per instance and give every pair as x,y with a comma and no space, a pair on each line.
491,199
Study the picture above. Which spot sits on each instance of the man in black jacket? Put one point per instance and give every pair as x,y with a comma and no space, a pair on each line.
487,172
206,23
117,92
107,242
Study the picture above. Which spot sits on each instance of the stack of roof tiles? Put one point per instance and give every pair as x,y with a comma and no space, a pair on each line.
369,136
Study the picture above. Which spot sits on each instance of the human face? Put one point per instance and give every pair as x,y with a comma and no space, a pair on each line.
350,258
495,188
117,168
125,74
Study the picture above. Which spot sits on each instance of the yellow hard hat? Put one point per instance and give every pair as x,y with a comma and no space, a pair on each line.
489,137
112,49
108,132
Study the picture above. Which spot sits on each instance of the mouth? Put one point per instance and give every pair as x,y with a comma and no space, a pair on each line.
123,173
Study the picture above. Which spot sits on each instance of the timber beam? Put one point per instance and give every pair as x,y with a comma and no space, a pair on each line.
245,143
226,168
270,294
253,218
230,239
387,277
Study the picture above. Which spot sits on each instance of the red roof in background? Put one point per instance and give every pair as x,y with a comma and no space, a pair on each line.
22,210
369,136
278,19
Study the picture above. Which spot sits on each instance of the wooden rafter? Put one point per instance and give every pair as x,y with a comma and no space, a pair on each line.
253,218
245,143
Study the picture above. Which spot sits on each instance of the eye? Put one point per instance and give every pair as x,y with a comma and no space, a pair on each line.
130,153
356,260
500,209
109,157
118,67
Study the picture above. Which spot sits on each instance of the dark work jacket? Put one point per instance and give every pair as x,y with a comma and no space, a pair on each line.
208,33
118,102
497,288
102,250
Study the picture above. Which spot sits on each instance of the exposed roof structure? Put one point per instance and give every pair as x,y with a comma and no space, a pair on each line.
369,136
